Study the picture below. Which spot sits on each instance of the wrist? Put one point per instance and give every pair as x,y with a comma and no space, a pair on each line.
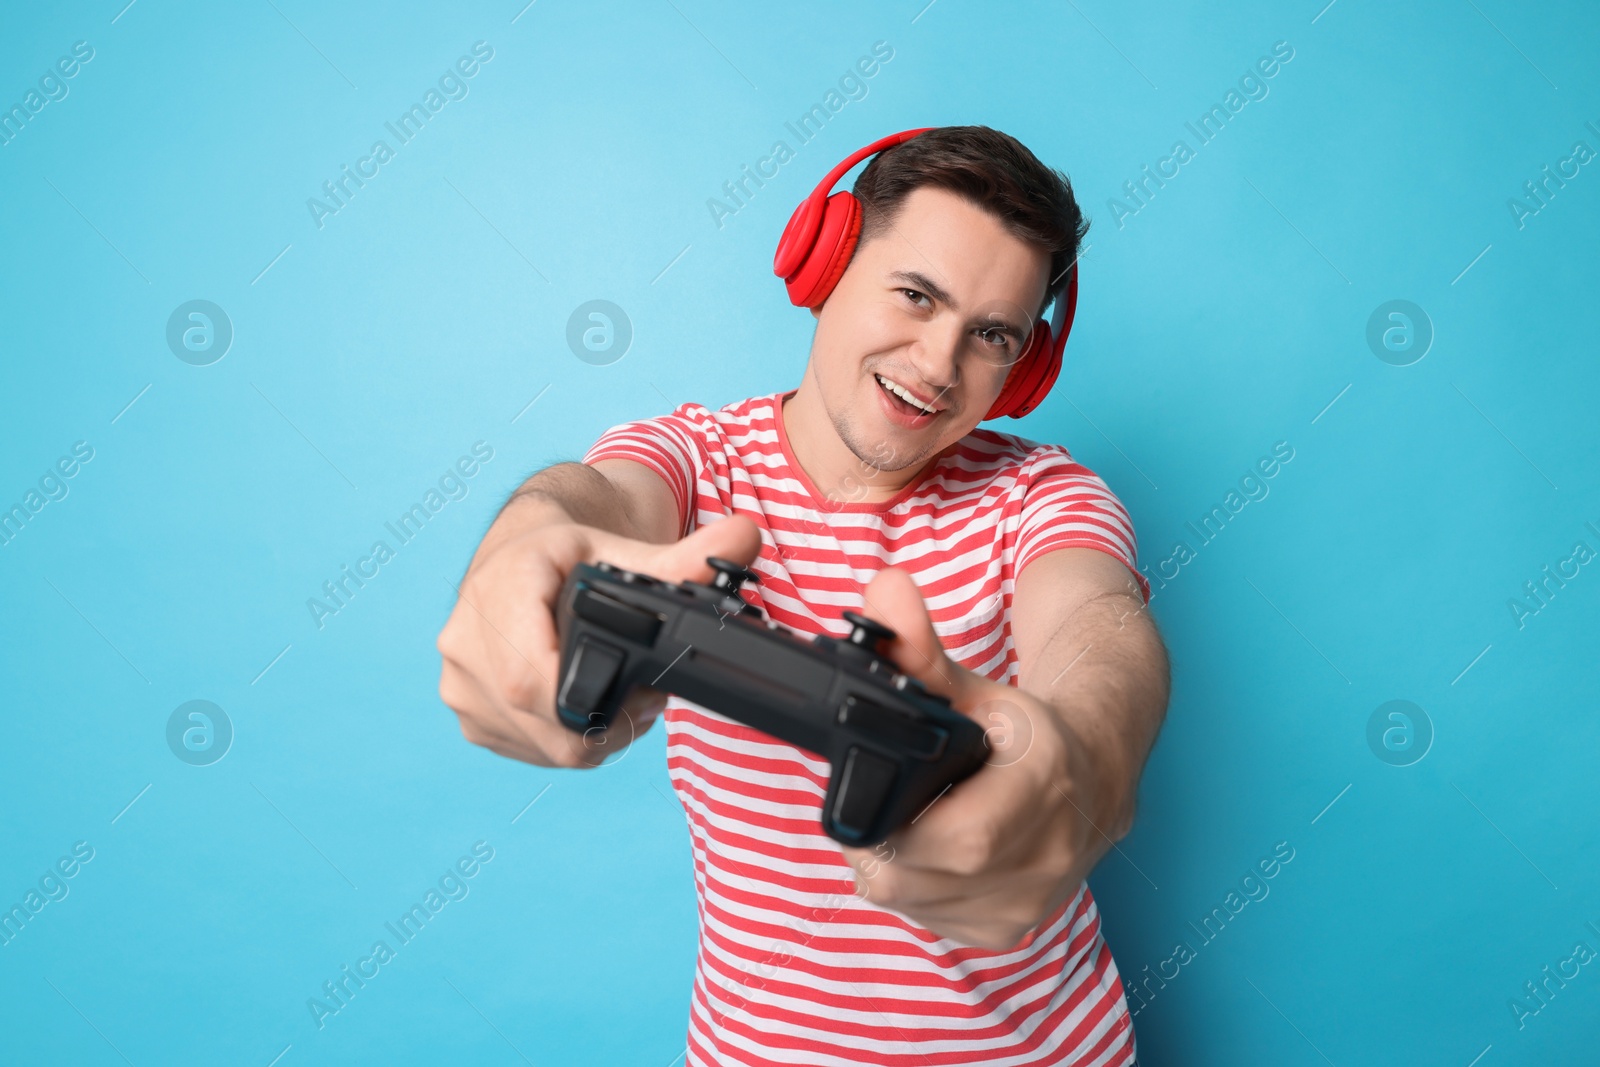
526,511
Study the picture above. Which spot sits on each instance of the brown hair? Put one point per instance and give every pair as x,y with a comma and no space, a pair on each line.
993,170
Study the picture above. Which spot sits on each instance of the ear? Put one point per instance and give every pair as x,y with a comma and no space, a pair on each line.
816,312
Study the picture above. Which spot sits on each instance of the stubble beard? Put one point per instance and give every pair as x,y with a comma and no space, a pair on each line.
881,455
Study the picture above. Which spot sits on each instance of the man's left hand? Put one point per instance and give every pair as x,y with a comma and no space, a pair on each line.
999,852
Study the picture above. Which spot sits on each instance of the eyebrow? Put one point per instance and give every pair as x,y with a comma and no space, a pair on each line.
919,280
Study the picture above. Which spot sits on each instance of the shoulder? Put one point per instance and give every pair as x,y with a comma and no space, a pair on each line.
751,413
1005,456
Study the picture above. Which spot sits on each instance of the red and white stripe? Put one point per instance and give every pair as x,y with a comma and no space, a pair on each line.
793,968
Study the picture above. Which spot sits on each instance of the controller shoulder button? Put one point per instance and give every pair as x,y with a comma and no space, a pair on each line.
623,620
893,729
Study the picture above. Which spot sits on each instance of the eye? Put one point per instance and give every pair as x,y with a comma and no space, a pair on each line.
996,334
914,296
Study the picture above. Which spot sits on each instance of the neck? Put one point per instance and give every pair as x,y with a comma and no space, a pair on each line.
836,471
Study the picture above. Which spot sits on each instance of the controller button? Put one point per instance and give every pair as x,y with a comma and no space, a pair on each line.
892,729
865,782
595,665
866,633
604,567
730,575
624,620
907,684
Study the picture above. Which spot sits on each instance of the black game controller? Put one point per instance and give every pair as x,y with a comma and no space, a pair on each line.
894,746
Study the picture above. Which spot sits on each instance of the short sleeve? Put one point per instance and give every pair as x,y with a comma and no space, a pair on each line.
1066,505
670,445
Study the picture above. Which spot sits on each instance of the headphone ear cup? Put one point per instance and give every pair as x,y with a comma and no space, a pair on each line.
1020,376
815,275
1039,382
799,235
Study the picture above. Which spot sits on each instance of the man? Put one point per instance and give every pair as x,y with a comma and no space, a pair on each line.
1008,572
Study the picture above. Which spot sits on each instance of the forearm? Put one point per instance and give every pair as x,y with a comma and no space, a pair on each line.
563,493
1110,692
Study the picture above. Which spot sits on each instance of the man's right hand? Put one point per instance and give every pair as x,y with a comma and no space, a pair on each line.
500,647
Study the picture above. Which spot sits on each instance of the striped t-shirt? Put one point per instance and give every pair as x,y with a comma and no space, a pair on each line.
793,968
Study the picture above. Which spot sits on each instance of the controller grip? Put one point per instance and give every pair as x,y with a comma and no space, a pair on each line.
855,808
588,696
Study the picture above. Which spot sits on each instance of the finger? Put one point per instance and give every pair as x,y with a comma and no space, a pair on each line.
892,598
934,896
637,713
932,892
644,705
981,822
486,723
522,654
501,712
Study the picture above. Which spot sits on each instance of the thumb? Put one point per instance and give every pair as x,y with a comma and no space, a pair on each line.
735,538
892,598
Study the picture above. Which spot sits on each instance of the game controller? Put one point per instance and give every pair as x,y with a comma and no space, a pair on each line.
894,747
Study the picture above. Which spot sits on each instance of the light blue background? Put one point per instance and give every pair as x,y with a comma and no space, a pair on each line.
1224,317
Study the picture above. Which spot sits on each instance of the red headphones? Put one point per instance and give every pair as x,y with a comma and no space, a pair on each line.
821,236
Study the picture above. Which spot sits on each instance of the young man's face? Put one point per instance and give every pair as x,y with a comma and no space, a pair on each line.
939,304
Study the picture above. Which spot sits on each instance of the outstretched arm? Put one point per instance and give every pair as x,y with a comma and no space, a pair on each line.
499,654
1088,648
998,853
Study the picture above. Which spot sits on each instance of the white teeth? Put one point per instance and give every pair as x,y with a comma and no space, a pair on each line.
901,392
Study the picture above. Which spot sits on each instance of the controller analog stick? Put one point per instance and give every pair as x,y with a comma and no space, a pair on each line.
867,633
730,575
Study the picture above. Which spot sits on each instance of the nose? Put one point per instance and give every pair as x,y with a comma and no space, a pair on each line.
936,354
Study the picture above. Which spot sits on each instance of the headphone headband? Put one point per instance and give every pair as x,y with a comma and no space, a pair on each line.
825,186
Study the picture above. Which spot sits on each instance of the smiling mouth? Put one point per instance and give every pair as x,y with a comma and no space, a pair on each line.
902,396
